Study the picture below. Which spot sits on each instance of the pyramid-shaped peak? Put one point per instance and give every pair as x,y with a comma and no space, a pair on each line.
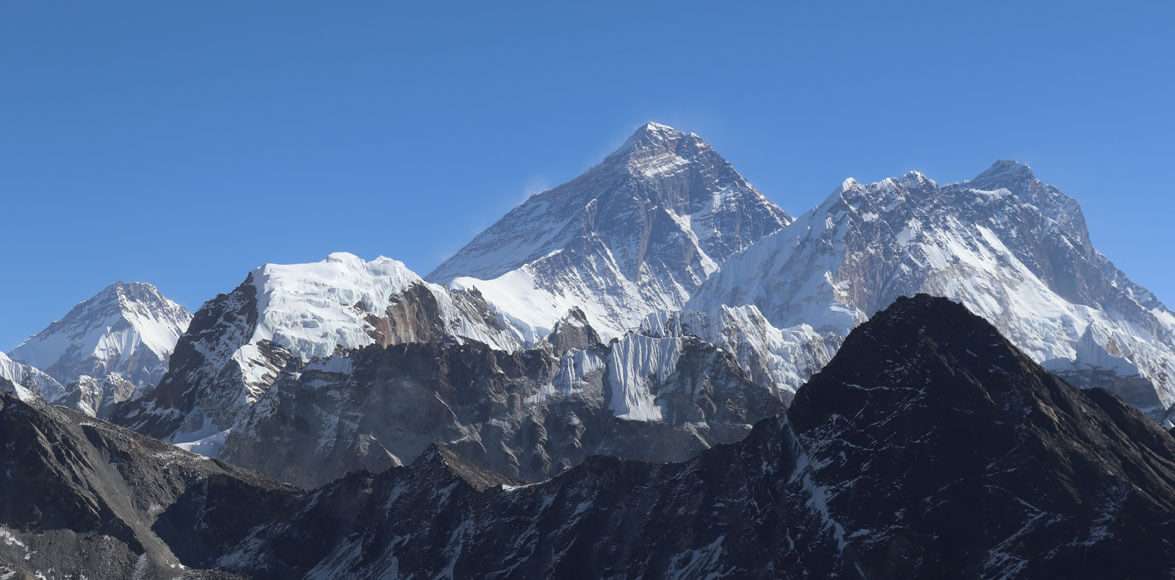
655,137
942,335
1004,174
131,286
657,130
916,178
928,316
135,291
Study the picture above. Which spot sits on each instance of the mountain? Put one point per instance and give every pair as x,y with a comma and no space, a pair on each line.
114,344
33,382
238,343
1013,249
82,498
965,455
635,234
929,447
307,372
527,415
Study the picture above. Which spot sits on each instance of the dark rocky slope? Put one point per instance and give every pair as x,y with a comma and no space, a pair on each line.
528,415
928,448
83,498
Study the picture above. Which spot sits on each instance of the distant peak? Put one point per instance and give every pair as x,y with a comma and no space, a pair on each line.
849,184
1004,173
122,286
652,135
345,257
335,262
656,129
915,178
911,180
127,291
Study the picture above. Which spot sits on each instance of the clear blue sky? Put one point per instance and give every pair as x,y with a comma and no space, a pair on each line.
184,143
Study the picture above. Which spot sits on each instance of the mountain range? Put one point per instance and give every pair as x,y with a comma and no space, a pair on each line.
651,345
1013,249
929,447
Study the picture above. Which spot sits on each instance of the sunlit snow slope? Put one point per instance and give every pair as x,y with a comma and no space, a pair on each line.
118,340
1012,249
238,342
635,234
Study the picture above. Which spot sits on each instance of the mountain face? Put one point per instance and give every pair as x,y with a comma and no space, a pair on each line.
307,372
635,234
526,415
82,498
238,343
111,346
32,382
1014,250
929,447
967,458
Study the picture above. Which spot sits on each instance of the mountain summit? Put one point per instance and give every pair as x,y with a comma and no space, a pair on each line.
122,338
1011,248
295,313
637,233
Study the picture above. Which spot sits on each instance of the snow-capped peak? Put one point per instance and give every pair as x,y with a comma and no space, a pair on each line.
653,131
312,309
1004,174
129,329
282,312
1011,248
637,233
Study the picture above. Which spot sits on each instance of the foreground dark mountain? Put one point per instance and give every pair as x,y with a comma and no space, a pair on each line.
80,497
928,448
946,451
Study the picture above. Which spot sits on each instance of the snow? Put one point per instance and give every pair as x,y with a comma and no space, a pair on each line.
628,238
129,329
111,326
817,496
207,439
30,382
699,562
865,245
208,445
636,364
533,303
661,164
314,309
318,308
8,538
532,310
575,368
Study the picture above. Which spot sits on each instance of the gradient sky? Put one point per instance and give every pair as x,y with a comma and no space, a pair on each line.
184,143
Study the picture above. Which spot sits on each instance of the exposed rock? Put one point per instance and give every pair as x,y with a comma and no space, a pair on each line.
527,415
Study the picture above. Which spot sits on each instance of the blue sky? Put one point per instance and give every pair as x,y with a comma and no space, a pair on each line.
184,143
